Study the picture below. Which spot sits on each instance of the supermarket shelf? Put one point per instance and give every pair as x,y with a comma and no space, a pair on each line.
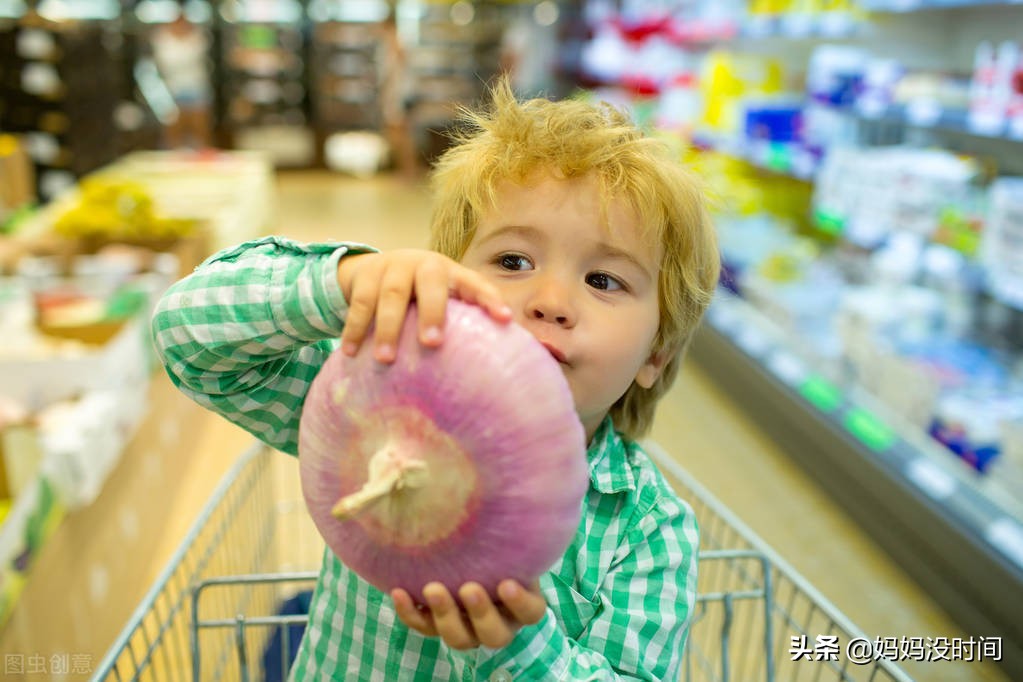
960,540
794,25
789,160
1004,290
920,5
799,163
928,115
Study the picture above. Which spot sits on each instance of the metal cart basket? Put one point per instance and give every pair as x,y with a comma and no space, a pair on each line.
224,607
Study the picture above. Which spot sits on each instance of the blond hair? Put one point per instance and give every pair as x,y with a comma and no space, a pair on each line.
515,141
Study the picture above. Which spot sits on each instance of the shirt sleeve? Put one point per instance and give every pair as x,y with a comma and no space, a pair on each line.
642,624
246,333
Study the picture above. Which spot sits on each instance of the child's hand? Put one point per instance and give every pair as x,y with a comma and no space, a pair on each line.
379,286
482,622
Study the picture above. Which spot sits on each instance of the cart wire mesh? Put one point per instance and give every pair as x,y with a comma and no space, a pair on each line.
229,604
756,618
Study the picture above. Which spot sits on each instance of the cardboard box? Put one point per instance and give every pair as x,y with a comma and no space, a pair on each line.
122,361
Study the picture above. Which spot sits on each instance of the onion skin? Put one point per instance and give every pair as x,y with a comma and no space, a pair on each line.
490,414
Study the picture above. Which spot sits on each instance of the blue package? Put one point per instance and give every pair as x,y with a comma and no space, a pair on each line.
774,123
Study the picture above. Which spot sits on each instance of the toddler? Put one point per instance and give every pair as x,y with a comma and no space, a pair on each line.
561,217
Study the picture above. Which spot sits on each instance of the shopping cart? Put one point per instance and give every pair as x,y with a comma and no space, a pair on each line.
229,604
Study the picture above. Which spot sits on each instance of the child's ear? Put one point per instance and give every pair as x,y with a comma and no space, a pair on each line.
652,368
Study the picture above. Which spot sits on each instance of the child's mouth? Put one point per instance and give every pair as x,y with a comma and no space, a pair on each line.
555,353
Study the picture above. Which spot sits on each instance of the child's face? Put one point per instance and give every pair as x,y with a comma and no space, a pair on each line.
587,292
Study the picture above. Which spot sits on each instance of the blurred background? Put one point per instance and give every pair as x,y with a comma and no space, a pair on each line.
855,395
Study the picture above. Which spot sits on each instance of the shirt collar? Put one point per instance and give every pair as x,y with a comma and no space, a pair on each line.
609,467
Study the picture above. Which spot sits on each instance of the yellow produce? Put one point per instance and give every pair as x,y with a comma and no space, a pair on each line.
118,209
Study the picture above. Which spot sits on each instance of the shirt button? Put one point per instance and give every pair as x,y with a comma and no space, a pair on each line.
501,676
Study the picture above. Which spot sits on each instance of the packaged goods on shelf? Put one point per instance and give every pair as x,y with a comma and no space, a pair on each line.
872,193
972,424
899,322
679,106
853,82
1002,244
895,349
782,273
992,87
835,74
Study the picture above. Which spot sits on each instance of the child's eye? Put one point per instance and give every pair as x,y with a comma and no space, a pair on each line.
604,281
512,261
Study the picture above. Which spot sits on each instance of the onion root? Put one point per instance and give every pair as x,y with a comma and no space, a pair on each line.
387,474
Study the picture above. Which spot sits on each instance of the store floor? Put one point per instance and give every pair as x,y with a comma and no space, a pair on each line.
696,423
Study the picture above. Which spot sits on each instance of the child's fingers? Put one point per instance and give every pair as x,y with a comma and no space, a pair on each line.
489,625
450,623
525,606
362,304
431,301
412,616
382,287
471,287
392,305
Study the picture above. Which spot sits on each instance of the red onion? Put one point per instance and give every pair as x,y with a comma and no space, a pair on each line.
466,462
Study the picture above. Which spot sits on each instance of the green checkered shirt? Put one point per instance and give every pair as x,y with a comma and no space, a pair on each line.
246,334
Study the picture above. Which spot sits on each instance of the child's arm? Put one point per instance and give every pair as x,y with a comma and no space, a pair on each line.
638,631
247,332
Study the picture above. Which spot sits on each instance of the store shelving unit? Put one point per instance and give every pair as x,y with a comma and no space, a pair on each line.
345,76
915,499
347,65
55,90
454,56
958,532
944,121
263,70
958,536
801,164
140,24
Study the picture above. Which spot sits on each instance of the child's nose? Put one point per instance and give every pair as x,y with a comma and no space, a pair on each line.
560,319
551,302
